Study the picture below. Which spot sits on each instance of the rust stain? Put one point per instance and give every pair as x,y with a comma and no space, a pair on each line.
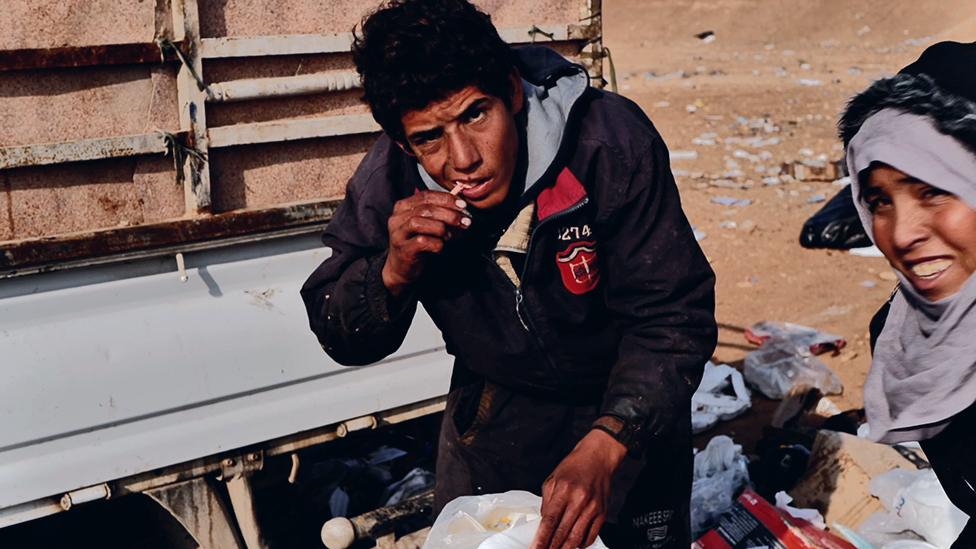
10,203
84,56
55,249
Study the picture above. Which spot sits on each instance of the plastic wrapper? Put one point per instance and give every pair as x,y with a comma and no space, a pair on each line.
915,501
492,521
779,365
721,471
711,402
802,336
785,359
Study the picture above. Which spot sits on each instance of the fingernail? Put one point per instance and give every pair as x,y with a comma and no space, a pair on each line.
460,204
466,221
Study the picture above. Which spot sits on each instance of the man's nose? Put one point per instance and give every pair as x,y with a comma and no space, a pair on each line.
465,156
912,225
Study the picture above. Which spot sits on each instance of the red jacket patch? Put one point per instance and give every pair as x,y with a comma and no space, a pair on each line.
578,267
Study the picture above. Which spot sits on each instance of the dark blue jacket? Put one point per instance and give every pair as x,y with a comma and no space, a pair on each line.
616,302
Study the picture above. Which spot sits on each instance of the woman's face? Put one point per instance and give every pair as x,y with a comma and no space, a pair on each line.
927,234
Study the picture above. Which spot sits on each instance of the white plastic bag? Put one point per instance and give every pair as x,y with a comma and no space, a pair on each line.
710,404
781,364
720,471
491,521
914,500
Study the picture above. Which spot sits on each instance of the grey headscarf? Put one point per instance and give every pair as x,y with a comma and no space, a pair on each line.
924,367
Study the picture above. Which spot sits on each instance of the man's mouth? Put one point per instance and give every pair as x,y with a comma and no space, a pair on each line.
928,270
473,188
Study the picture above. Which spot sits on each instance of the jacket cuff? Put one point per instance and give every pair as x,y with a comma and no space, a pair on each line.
629,433
381,304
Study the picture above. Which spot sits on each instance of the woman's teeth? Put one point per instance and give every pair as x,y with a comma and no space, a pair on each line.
931,269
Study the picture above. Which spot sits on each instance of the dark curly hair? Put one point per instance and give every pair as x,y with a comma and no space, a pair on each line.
411,53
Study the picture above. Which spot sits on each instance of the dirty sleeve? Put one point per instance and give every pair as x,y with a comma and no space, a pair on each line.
660,291
356,319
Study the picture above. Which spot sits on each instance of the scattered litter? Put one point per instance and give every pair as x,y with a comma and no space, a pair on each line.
728,224
706,139
913,500
836,225
786,359
888,276
867,251
683,155
817,198
711,402
809,82
805,66
868,284
814,340
699,234
691,108
730,201
416,482
863,30
812,516
707,36
771,180
754,522
490,521
841,465
720,472
662,104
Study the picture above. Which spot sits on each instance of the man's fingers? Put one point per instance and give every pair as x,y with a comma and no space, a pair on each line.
578,532
567,520
594,530
553,504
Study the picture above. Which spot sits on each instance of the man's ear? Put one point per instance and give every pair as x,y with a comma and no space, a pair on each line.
518,94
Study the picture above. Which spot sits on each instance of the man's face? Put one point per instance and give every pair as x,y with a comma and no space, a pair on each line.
470,138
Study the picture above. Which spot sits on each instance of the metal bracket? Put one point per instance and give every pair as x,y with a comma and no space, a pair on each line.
241,465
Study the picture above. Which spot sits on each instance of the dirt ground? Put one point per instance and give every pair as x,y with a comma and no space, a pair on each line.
780,71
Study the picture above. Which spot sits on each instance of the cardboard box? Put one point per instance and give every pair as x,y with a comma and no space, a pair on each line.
836,484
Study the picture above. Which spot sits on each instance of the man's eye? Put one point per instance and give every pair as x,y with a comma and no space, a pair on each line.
476,116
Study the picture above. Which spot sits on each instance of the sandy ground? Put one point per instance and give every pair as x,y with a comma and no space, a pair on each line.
779,70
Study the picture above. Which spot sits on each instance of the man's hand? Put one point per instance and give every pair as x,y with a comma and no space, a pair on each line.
419,226
575,496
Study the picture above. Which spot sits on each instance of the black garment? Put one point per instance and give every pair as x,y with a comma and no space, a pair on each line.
952,454
630,329
493,440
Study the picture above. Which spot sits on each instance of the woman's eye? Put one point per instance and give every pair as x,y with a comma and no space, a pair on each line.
876,202
934,192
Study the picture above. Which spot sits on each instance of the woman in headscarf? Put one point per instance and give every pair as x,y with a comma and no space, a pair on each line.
911,151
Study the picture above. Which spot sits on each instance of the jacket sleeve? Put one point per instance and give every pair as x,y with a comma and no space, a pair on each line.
351,312
660,291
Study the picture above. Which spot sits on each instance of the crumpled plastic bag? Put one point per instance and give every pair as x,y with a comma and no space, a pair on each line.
781,364
491,521
913,500
720,473
710,404
802,336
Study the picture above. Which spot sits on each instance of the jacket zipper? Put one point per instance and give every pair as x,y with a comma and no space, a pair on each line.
526,320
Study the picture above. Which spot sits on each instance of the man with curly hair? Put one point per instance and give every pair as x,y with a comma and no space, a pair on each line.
537,220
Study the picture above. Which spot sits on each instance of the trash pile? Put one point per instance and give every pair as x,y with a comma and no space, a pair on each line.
491,521
813,479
